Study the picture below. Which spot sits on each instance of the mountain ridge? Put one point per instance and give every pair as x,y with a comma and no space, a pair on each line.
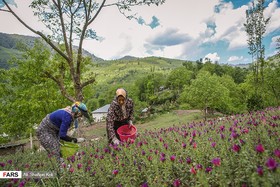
9,46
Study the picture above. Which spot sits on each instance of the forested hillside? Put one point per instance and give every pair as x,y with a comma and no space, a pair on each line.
12,45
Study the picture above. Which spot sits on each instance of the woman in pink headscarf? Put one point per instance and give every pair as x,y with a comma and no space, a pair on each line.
120,113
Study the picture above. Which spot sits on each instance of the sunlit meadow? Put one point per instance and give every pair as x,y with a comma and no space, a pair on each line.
241,150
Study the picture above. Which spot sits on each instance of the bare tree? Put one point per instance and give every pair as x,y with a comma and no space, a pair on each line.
69,20
255,27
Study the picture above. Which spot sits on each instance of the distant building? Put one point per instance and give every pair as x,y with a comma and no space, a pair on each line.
100,114
145,112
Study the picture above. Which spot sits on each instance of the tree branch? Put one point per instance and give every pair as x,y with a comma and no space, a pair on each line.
5,10
38,33
60,85
58,5
98,11
91,80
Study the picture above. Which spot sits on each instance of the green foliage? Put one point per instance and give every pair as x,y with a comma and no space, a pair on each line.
27,95
178,78
236,102
206,91
255,102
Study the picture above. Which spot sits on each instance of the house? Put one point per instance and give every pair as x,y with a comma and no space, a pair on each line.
145,112
100,114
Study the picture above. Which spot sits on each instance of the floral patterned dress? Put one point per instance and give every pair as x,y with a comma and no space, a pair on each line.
116,117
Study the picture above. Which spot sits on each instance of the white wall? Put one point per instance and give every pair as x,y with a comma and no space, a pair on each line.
98,117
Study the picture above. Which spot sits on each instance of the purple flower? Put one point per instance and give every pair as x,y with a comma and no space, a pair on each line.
189,160
9,161
71,170
106,150
260,171
2,164
21,184
184,145
213,144
198,166
260,148
216,161
242,141
79,165
172,157
177,183
156,152
143,152
234,135
236,148
63,165
194,133
271,164
119,185
277,153
88,168
208,170
115,172
72,159
15,181
162,158
140,144
145,184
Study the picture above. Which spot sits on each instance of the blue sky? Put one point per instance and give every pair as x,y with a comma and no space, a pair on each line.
181,29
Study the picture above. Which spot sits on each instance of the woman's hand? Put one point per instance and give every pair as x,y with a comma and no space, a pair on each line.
130,123
116,141
79,140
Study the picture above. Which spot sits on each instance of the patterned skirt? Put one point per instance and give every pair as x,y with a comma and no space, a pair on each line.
48,135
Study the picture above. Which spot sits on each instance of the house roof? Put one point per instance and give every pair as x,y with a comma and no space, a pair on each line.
103,109
145,110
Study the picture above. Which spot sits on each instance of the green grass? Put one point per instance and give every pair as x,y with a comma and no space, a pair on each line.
157,122
128,71
169,119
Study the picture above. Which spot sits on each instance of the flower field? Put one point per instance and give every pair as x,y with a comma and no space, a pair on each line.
240,150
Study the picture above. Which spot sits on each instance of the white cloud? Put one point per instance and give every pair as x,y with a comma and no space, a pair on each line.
214,57
274,43
184,27
272,11
9,24
235,58
229,25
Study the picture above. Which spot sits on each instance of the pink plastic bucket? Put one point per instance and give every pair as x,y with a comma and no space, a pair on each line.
126,133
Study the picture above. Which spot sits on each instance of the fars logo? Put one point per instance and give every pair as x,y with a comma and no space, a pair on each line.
10,174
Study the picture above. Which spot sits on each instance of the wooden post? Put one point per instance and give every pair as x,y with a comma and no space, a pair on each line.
31,142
